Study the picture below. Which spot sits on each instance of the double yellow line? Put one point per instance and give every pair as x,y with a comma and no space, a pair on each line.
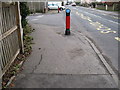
102,28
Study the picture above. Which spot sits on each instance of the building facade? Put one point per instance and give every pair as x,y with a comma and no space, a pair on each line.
38,6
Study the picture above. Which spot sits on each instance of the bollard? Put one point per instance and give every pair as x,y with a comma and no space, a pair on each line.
58,9
67,32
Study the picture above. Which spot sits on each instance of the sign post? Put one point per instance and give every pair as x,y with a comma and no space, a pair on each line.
67,32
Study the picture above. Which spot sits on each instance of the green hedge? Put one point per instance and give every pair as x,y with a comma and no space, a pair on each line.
77,3
24,10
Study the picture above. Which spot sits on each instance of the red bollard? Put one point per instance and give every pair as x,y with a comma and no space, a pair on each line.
67,32
58,9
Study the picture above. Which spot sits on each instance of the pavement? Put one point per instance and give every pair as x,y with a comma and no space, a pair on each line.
103,31
60,61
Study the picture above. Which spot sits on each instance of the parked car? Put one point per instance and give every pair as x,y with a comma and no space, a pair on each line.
52,6
61,7
73,4
55,7
67,3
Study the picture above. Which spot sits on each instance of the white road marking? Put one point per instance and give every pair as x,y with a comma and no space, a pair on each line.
117,38
103,29
114,17
39,16
101,17
36,18
113,22
103,14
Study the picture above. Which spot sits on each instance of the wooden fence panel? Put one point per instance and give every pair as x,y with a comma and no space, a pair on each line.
9,39
1,65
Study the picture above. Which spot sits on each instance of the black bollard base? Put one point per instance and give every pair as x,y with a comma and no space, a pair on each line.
67,32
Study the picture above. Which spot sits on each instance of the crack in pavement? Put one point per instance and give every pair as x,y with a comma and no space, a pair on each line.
35,67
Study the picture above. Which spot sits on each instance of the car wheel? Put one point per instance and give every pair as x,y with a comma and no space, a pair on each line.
61,9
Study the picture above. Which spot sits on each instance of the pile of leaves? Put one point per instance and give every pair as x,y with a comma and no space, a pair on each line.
12,71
